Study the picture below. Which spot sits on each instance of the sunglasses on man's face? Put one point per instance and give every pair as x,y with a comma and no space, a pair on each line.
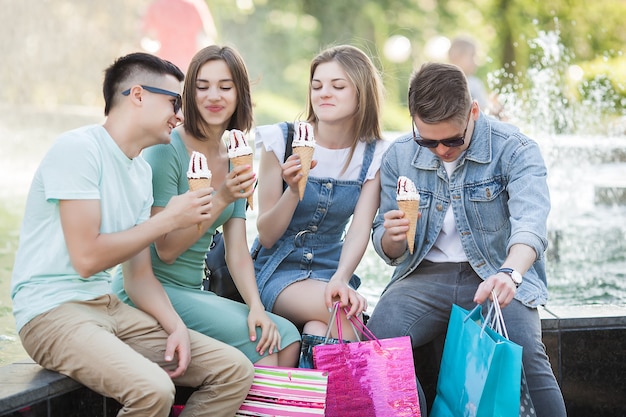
450,143
178,103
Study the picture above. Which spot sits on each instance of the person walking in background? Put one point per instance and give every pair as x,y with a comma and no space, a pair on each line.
305,263
87,211
176,29
216,97
484,204
462,53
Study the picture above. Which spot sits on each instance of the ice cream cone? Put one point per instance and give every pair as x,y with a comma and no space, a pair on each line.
197,184
410,209
242,161
306,156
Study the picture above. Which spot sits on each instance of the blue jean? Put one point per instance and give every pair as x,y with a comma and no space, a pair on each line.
419,306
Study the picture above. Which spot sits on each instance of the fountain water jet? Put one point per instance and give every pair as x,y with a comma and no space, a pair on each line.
584,145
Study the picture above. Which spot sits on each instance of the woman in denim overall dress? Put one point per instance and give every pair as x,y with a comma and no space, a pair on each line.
307,258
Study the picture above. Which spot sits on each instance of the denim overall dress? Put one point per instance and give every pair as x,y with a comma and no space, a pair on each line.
311,245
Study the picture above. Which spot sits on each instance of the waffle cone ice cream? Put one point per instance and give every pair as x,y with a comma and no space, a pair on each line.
410,208
408,200
242,161
198,175
240,154
198,183
303,145
306,156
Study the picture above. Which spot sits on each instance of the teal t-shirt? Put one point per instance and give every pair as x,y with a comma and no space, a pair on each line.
82,164
169,178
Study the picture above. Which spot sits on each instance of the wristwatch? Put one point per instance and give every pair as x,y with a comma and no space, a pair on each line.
515,276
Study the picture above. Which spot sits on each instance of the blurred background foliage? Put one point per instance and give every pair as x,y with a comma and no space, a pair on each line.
54,51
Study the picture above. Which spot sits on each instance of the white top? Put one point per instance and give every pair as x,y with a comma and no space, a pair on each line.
330,162
448,246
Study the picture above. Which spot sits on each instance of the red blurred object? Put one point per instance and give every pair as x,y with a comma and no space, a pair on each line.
176,410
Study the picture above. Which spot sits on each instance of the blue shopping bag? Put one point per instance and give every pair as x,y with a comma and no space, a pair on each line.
480,374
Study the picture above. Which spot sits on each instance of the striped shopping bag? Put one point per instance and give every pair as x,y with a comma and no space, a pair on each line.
285,392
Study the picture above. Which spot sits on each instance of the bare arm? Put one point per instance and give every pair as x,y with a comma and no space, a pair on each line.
241,266
354,247
91,251
148,295
275,206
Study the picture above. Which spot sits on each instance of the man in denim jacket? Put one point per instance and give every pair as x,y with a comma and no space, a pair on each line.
484,204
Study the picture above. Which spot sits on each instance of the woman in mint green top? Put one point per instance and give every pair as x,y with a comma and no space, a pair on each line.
216,97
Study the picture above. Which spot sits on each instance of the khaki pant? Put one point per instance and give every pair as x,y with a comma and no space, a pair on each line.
118,351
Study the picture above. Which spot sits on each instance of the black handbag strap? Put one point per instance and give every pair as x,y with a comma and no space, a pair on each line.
289,141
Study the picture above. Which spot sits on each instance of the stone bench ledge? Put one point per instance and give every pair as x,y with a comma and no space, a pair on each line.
24,383
585,317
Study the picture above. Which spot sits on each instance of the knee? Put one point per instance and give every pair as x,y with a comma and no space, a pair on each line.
383,328
152,395
315,327
241,368
163,393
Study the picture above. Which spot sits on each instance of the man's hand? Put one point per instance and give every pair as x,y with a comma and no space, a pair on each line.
178,346
396,226
188,209
503,286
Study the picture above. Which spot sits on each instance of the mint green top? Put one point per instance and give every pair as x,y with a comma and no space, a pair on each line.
203,311
169,178
82,164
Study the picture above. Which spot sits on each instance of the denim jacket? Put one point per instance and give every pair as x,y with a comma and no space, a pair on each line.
499,196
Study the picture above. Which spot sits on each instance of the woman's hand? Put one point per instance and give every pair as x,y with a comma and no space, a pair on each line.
339,290
270,336
239,183
292,171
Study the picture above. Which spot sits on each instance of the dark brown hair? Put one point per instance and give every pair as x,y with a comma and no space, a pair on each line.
438,93
242,117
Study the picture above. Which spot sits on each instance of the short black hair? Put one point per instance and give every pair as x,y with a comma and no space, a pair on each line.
129,66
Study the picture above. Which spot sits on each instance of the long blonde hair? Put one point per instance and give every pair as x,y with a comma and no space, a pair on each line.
369,86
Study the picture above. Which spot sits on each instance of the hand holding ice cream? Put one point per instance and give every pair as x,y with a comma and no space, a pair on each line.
198,175
408,201
303,145
240,153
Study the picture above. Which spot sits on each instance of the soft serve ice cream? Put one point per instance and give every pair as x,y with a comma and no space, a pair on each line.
239,153
198,175
303,145
408,201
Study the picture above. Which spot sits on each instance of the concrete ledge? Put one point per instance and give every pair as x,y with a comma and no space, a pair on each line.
587,350
28,390
25,383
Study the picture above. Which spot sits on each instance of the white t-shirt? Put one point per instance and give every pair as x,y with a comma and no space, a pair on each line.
448,246
330,162
83,164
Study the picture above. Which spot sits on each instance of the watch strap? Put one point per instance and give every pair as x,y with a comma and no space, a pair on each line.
510,271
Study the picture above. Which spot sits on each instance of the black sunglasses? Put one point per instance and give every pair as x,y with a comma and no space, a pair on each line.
450,143
178,103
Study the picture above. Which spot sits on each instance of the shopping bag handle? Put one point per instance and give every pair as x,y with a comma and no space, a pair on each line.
334,317
494,318
355,322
